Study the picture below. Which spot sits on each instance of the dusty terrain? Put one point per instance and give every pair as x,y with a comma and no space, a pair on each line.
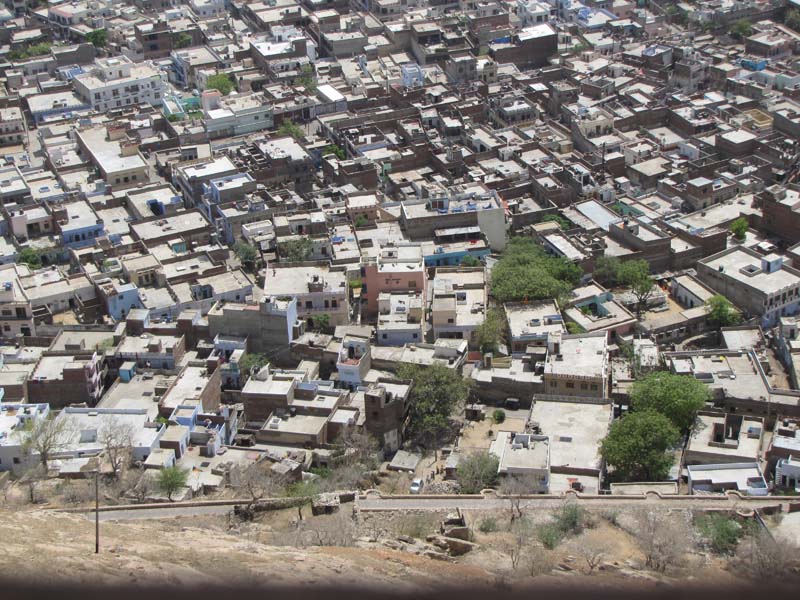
53,547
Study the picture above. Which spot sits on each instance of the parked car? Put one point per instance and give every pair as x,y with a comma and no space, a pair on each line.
416,486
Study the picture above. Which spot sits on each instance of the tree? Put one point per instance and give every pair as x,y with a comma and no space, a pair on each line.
593,552
361,221
289,127
606,270
183,40
492,332
435,394
526,272
31,257
297,250
721,312
661,537
793,19
721,531
470,261
477,471
677,397
741,29
321,322
171,479
47,436
761,557
357,447
31,479
245,252
514,487
638,445
739,228
334,149
252,362
307,80
97,38
636,275
556,218
116,436
221,82
139,484
258,482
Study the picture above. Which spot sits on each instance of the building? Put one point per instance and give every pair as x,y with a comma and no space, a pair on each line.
401,318
762,286
577,365
459,303
396,268
532,324
15,420
318,289
117,82
721,438
66,379
524,455
12,129
745,477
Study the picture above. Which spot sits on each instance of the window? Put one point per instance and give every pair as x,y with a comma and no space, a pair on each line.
412,284
584,386
384,336
309,304
570,385
553,383
451,320
594,387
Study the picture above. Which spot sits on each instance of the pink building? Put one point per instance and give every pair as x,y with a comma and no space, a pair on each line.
397,268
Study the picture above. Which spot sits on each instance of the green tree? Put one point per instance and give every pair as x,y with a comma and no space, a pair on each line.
221,82
638,446
435,394
334,149
574,328
721,313
677,397
793,19
526,272
636,275
296,250
721,531
246,252
741,29
289,127
171,479
556,218
97,38
476,472
739,228
31,257
307,80
361,221
491,333
321,322
252,362
606,271
183,40
470,261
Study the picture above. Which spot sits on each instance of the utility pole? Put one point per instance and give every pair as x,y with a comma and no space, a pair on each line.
97,511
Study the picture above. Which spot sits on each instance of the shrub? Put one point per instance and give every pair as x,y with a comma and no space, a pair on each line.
498,416
570,519
722,533
488,525
550,535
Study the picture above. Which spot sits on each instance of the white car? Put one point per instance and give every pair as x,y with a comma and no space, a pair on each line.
416,486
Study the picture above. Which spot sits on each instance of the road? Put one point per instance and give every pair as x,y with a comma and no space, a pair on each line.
376,503
159,513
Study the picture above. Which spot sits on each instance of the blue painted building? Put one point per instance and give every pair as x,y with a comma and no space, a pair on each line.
81,225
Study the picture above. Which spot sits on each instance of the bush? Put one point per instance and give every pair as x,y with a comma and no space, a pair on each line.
722,533
498,416
549,535
476,472
488,525
570,519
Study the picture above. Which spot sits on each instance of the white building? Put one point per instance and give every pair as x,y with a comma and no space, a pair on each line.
12,130
117,82
14,419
